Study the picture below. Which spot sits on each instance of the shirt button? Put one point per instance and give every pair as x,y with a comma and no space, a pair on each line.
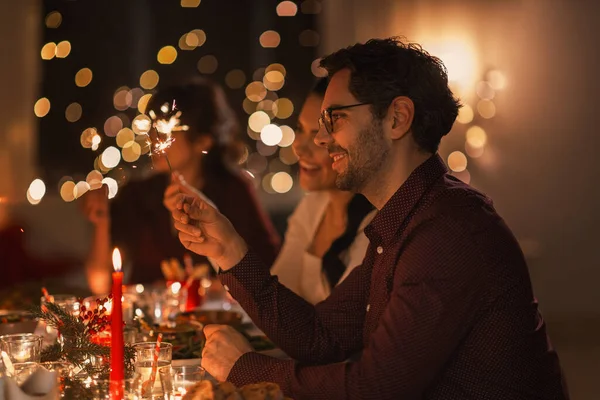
226,288
368,307
379,249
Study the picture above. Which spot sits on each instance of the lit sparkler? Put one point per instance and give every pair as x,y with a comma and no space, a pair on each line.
164,128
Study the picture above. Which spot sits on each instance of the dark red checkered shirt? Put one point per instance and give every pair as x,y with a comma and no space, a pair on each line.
441,308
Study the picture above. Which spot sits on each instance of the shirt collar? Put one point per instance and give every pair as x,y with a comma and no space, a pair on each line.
393,214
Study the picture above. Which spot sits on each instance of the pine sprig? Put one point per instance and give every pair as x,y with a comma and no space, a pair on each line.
75,345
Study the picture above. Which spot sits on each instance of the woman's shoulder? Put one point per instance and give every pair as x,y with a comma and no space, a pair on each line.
312,203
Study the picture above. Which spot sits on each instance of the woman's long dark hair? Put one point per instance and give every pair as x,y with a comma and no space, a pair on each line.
204,108
357,210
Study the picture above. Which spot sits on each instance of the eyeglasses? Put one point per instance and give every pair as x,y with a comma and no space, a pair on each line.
327,120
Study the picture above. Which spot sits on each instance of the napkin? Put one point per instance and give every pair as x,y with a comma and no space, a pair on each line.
41,385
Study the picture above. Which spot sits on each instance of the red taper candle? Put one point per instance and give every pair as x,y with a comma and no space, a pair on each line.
117,347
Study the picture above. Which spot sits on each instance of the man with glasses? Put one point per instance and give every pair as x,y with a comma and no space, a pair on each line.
442,306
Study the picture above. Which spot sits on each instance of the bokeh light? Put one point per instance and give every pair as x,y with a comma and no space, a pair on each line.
63,49
48,51
266,183
111,157
53,20
486,108
208,64
317,70
235,79
287,136
81,188
265,149
83,77
287,156
270,39
94,179
149,79
457,161
67,190
476,137
112,126
143,102
41,107
286,9
87,137
73,112
258,120
282,182
465,114
195,38
37,189
273,80
484,90
122,98
256,91
125,136
141,124
131,151
285,108
271,134
276,67
256,163
167,55
496,79
190,3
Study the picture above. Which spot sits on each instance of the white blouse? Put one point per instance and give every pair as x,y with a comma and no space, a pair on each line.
301,271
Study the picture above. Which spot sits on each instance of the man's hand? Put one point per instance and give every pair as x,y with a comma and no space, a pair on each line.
177,186
205,231
224,346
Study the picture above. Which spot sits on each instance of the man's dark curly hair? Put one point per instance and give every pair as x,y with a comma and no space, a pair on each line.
382,69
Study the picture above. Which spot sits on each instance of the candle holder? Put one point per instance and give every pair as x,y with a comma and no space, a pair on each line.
22,348
176,381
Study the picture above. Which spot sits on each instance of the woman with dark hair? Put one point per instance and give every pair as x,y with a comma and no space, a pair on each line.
324,240
204,159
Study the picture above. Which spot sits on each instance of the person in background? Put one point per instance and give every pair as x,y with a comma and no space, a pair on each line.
205,159
324,239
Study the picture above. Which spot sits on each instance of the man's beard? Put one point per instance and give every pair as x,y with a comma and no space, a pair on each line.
364,159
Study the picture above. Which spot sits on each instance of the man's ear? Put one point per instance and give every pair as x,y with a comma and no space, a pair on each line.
402,112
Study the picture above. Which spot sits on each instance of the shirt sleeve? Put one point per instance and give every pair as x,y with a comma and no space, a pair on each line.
328,332
434,299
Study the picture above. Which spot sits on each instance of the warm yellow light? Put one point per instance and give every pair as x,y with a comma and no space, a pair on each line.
53,20
258,120
125,136
256,91
287,136
286,9
273,80
496,79
66,191
149,79
282,182
112,126
48,51
143,102
465,114
195,38
94,179
476,137
141,124
116,260
83,77
81,188
486,108
63,49
317,70
269,39
285,108
288,156
87,137
41,107
167,55
131,151
459,57
190,3
457,161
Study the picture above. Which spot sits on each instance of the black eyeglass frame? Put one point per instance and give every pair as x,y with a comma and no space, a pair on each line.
326,119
